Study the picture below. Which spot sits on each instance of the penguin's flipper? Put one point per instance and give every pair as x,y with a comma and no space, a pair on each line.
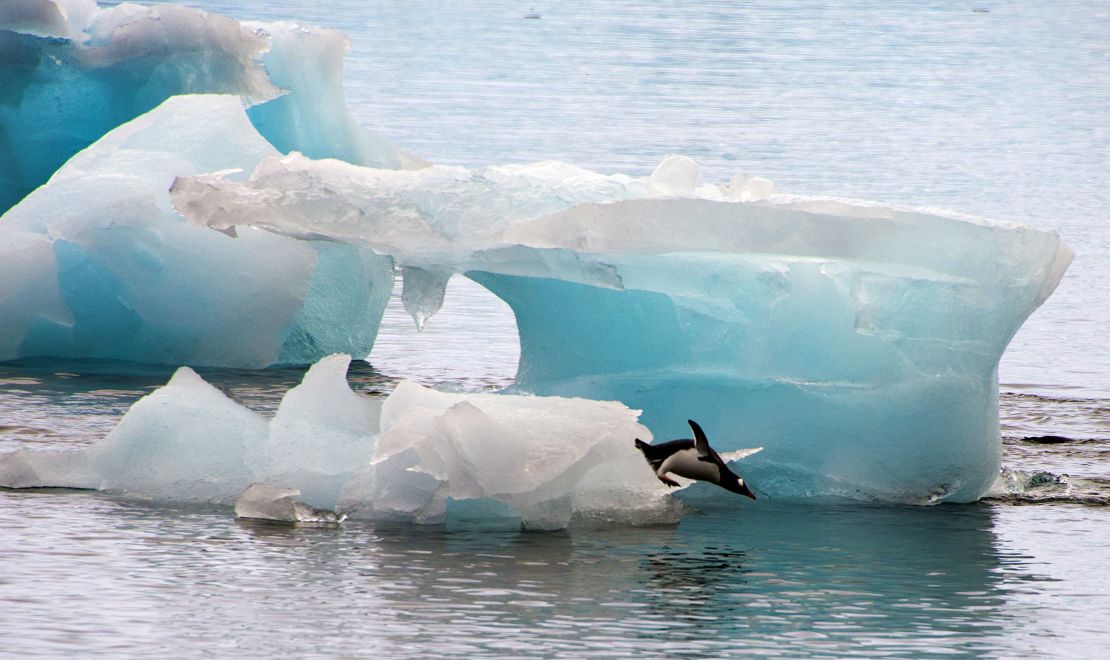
701,443
731,456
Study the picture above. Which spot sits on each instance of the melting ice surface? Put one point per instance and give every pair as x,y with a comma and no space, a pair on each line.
421,455
857,342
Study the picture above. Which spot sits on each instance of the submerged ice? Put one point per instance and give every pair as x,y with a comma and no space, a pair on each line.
278,504
857,342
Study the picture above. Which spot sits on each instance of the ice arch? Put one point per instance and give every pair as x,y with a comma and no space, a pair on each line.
857,342
472,342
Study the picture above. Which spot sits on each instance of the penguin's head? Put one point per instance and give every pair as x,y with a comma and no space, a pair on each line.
733,483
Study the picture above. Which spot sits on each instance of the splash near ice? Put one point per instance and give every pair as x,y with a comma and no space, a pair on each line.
422,456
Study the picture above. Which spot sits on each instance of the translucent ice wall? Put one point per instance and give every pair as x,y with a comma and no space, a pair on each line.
857,342
96,263
71,71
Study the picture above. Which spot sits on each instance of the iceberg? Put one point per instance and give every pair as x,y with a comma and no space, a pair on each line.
322,432
419,455
26,468
189,442
184,442
546,460
857,342
72,71
96,263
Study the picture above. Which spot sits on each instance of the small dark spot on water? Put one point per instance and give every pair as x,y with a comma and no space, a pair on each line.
533,16
1047,439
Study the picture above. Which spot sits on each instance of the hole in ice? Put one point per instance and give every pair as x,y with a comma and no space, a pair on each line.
471,342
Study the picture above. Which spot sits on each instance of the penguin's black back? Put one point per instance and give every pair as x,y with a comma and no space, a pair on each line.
656,454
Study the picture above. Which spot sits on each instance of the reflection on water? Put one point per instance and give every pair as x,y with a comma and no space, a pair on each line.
105,577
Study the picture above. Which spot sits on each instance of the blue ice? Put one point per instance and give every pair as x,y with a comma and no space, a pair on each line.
857,342
73,71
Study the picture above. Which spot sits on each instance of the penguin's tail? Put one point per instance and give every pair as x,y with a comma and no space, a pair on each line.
650,454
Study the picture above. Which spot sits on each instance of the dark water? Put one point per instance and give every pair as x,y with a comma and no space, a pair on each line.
1002,113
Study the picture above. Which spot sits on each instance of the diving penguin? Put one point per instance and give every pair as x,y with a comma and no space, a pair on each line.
694,459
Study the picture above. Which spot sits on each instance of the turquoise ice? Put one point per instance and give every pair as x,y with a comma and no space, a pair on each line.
97,264
73,71
857,342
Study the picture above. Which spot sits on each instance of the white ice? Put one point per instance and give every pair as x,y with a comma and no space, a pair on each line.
186,441
541,462
547,459
321,433
48,18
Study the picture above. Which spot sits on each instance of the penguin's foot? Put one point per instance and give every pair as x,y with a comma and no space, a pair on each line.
667,480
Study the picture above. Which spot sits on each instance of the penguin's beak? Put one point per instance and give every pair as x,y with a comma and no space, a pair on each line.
744,490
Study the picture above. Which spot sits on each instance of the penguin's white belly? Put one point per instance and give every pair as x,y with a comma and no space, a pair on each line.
685,463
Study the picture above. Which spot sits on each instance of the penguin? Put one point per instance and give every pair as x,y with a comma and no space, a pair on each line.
694,459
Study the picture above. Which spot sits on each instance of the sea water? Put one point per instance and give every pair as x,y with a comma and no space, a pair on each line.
997,110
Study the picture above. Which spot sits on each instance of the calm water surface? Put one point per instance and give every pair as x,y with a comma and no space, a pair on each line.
1001,113
822,579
